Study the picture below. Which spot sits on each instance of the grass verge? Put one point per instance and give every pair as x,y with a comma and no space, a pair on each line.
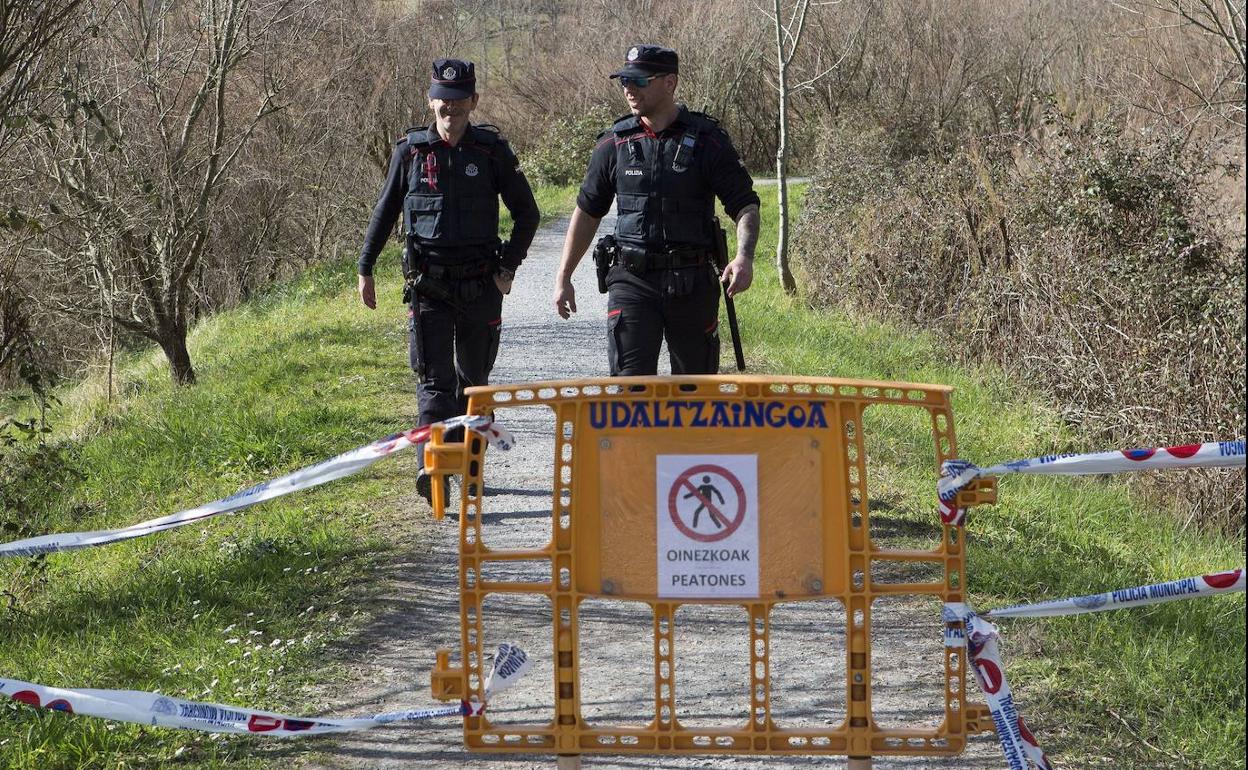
552,201
1157,687
241,609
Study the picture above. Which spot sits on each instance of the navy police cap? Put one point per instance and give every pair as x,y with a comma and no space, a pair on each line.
645,60
452,79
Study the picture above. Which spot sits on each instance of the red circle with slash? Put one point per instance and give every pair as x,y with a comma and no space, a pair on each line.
683,481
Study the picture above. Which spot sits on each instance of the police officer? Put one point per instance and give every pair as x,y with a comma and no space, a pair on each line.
664,166
446,180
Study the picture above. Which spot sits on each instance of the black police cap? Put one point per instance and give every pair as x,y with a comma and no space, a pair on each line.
452,79
646,60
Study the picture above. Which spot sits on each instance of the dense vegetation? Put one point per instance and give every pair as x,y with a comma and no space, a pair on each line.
1092,265
1156,687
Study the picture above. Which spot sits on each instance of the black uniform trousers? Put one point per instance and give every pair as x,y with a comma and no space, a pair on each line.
680,305
457,348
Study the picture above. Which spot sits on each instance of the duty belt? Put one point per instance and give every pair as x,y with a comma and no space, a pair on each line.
455,271
639,260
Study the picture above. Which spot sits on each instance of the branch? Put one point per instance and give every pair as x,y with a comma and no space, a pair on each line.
1235,38
766,13
801,26
848,47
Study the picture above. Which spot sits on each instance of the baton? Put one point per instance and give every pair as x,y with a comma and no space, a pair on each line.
720,243
733,328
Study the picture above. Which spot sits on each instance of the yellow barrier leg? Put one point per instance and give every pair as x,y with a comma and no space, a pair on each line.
569,762
859,763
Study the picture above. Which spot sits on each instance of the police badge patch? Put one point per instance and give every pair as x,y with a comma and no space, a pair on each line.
471,169
632,53
449,73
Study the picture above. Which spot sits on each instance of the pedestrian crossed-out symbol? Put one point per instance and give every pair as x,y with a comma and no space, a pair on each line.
707,503
704,494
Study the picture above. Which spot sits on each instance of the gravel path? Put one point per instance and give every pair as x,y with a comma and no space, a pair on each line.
417,609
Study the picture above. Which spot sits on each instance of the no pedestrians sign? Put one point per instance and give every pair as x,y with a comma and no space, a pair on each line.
707,514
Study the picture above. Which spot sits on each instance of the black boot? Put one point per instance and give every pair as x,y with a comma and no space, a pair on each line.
424,486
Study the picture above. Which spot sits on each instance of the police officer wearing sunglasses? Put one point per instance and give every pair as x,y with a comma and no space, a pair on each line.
664,166
446,179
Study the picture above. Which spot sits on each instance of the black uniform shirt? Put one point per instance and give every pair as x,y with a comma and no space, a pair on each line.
508,181
714,170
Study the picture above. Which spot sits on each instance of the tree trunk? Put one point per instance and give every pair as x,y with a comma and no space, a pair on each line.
782,188
173,342
782,233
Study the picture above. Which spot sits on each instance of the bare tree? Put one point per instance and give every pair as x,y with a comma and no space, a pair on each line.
156,112
14,323
1208,79
29,32
788,39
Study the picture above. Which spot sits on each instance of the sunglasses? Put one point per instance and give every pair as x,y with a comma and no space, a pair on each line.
637,82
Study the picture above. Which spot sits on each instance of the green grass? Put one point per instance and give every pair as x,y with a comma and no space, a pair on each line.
306,371
551,201
237,610
1173,672
240,609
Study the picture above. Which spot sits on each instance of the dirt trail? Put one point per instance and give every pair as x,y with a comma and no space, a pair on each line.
417,607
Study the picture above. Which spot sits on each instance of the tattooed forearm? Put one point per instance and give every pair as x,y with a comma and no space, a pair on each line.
747,231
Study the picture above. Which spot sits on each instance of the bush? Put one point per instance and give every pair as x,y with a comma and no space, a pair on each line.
560,156
1089,261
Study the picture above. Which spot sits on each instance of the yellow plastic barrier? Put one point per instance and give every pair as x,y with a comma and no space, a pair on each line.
748,491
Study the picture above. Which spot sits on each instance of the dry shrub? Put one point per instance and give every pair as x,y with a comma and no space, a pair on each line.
1085,260
556,71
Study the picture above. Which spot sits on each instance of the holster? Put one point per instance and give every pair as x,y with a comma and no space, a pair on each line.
606,252
720,240
409,263
416,355
427,286
445,281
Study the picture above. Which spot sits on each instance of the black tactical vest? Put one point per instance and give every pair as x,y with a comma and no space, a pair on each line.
452,195
664,200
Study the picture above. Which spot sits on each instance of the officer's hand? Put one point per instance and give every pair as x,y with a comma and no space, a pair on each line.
368,295
503,284
565,299
739,274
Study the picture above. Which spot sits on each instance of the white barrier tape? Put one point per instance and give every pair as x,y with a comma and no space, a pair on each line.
955,475
162,711
1230,581
1017,743
510,663
155,710
980,638
334,468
